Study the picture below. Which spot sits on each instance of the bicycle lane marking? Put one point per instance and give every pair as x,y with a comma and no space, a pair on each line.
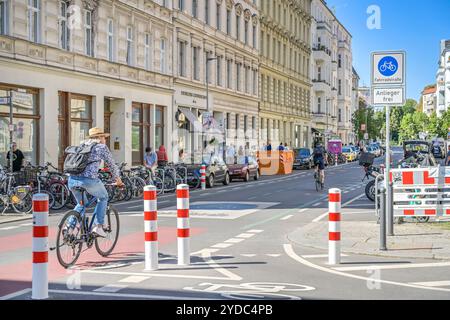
291,253
343,206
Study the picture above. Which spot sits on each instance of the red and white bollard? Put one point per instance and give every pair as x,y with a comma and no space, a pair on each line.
334,227
150,228
203,176
336,160
183,228
40,247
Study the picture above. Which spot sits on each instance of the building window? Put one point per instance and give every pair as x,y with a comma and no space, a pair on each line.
159,126
229,73
130,51
319,105
254,34
196,63
245,126
140,131
236,121
162,48
88,37
110,40
255,82
228,22
246,79
218,16
4,16
340,87
26,122
195,8
238,77
75,119
207,11
182,59
253,127
181,5
64,31
34,20
148,51
246,32
340,61
340,115
219,70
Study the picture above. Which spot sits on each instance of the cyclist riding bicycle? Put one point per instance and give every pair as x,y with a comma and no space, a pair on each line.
319,160
87,177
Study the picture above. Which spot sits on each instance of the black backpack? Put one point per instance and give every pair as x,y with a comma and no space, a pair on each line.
77,158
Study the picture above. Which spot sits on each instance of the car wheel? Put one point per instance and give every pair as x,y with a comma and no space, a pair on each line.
247,177
210,181
226,181
257,175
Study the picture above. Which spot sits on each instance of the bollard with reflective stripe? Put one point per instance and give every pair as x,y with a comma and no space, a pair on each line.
334,228
203,176
40,247
336,160
183,228
150,228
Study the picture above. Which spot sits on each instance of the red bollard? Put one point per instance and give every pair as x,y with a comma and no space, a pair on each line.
183,228
150,228
334,227
40,247
203,176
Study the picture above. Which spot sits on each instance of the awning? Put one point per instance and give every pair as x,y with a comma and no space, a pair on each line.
192,119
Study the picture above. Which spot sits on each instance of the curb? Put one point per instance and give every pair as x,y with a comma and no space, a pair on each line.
363,253
16,219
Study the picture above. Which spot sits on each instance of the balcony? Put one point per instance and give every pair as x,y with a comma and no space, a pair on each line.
344,45
321,54
320,117
323,25
321,86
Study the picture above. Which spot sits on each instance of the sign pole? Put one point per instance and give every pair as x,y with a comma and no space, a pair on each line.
11,130
389,220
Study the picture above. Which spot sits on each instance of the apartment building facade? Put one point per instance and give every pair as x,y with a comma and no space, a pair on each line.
429,100
216,76
285,53
85,63
443,79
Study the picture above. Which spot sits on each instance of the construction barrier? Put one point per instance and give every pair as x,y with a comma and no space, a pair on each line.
275,162
40,247
334,226
203,176
421,191
151,228
183,228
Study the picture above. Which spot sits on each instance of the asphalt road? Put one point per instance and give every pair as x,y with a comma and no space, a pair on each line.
240,250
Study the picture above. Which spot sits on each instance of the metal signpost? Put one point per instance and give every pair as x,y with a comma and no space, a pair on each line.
9,102
388,89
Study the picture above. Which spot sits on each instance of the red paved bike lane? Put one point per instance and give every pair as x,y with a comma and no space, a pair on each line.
17,276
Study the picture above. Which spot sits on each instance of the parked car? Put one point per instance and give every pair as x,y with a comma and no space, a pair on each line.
303,158
216,170
373,150
349,153
246,168
355,151
438,151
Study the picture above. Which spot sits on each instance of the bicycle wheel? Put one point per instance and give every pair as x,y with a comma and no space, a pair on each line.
138,185
61,194
69,240
158,183
194,182
105,246
169,184
22,203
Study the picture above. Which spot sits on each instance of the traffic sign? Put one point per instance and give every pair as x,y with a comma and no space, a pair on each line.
388,96
388,68
4,100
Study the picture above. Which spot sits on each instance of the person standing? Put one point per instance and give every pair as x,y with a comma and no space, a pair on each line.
286,148
17,158
162,156
280,147
269,146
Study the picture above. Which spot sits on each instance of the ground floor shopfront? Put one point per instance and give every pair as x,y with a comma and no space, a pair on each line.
63,105
276,129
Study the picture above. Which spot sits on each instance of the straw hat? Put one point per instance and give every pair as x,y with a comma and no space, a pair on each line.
97,132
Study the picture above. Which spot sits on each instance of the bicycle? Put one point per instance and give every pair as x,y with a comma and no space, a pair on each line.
388,65
75,230
318,179
15,195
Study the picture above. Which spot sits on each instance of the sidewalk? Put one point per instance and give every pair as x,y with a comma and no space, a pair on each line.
411,240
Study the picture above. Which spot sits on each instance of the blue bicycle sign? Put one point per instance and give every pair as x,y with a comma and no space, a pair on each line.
388,66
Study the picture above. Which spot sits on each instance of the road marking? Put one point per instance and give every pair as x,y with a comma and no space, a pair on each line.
127,295
111,288
320,217
317,256
274,255
9,228
15,294
230,275
134,207
290,252
234,240
346,191
287,217
248,255
302,210
395,266
245,235
343,206
432,283
252,198
134,279
317,204
201,252
222,245
162,275
255,231
26,224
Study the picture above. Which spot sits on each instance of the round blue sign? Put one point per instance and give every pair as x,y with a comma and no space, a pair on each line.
388,66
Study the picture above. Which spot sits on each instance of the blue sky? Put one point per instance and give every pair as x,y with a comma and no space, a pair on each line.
411,25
